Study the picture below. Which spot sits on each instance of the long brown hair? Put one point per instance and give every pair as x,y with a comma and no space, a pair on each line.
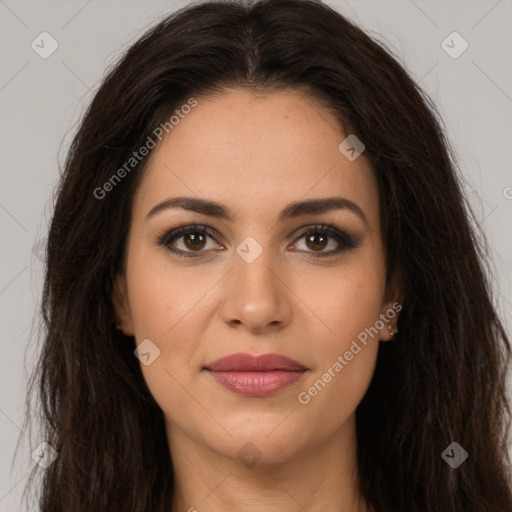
441,380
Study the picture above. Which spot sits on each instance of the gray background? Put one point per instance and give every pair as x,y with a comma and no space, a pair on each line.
41,101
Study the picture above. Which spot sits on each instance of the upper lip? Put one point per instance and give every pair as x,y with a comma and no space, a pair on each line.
248,363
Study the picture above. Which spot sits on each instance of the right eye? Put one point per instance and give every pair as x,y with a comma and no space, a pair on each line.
193,240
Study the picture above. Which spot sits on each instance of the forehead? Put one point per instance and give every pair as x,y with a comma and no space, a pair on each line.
256,154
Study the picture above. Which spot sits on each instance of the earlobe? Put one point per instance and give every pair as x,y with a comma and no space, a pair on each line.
120,303
389,316
391,308
389,334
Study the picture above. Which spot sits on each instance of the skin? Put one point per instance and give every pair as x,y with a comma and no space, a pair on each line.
255,155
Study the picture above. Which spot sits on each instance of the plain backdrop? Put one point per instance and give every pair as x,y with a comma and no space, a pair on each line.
42,100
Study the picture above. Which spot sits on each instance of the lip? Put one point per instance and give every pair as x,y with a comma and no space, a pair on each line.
255,376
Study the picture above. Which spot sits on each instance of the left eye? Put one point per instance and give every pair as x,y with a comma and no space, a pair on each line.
194,239
317,239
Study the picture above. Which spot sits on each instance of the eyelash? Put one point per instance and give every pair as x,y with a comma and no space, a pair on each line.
345,241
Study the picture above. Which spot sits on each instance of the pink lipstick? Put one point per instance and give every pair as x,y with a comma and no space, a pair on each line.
255,376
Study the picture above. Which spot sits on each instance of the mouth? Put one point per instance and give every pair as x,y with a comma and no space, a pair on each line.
255,376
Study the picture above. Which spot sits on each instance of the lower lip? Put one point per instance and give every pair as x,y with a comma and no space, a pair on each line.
257,383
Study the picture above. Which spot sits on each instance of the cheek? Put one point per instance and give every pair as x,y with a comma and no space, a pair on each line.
163,295
345,366
349,303
165,315
167,307
347,298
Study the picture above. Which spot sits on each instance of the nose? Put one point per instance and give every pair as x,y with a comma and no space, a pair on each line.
256,296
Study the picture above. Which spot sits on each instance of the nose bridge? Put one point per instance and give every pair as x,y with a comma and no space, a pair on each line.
257,297
256,276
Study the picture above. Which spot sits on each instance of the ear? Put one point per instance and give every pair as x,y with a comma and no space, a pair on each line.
390,311
122,306
389,318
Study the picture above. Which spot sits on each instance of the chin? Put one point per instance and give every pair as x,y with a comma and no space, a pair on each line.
273,439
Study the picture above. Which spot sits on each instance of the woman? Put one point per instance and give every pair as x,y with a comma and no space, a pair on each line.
258,196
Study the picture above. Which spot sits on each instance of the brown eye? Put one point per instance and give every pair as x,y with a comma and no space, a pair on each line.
189,240
317,241
194,241
319,238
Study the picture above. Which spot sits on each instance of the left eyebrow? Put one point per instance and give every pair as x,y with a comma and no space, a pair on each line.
293,210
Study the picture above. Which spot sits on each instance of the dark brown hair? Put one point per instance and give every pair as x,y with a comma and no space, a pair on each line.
443,377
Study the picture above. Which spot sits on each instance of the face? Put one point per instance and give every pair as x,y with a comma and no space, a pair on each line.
257,274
